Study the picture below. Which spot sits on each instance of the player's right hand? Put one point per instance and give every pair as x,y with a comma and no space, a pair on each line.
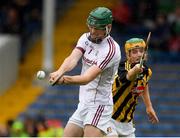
152,115
138,69
53,76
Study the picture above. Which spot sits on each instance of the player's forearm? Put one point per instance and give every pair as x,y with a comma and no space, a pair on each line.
78,79
84,78
67,65
146,97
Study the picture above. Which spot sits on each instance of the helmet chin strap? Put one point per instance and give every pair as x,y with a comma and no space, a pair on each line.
107,31
99,40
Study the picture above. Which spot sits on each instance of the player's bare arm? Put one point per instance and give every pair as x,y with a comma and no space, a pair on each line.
149,108
83,79
69,63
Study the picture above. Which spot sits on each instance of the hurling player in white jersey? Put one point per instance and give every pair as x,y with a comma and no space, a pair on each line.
100,58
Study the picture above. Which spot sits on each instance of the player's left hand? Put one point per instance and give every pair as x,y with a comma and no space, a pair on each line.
152,115
61,80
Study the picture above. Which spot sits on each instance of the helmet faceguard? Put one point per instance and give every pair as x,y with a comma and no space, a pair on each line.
134,43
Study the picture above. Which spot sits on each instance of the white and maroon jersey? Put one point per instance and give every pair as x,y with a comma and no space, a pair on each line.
106,56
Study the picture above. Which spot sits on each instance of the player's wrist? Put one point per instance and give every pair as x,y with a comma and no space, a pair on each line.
66,79
149,107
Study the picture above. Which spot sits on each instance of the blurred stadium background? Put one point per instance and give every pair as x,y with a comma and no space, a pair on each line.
39,34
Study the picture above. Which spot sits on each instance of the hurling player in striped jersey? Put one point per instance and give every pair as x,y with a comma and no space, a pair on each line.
130,83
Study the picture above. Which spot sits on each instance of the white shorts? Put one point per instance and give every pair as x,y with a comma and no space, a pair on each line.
95,115
122,129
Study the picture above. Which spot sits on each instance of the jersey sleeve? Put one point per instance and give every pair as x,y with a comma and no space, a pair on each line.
149,74
116,84
106,58
122,72
81,44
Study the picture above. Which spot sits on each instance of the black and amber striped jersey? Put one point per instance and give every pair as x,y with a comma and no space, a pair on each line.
125,92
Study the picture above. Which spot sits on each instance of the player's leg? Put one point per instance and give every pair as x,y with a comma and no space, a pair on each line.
74,127
97,121
73,130
96,131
